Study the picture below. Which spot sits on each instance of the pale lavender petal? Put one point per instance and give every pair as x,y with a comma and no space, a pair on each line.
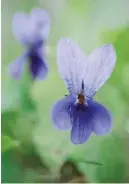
22,27
99,67
61,113
42,21
101,119
15,69
81,125
31,28
71,61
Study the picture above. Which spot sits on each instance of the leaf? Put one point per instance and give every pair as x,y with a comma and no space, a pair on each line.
8,122
7,143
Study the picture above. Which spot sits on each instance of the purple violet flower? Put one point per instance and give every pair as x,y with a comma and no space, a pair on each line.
83,77
32,31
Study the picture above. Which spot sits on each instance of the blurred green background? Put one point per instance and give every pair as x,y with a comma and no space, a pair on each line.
32,149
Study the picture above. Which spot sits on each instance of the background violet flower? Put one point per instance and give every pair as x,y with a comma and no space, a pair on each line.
32,31
83,77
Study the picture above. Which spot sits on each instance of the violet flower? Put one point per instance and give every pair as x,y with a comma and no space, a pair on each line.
32,31
83,76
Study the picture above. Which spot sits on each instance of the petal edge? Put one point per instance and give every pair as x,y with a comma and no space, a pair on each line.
102,120
61,113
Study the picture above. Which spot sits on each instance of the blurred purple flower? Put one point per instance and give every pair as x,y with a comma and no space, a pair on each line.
83,77
32,31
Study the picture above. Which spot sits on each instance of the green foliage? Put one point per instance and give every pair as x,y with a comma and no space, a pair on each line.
8,143
113,157
8,120
11,171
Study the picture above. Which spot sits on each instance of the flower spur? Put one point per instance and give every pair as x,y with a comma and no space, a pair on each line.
32,31
83,77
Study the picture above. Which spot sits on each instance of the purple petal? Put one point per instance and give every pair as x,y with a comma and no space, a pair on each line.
81,125
15,69
61,113
38,66
101,120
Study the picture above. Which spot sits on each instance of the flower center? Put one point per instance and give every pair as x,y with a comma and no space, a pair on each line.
81,99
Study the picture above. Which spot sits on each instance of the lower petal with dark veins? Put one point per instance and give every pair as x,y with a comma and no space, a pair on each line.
81,125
